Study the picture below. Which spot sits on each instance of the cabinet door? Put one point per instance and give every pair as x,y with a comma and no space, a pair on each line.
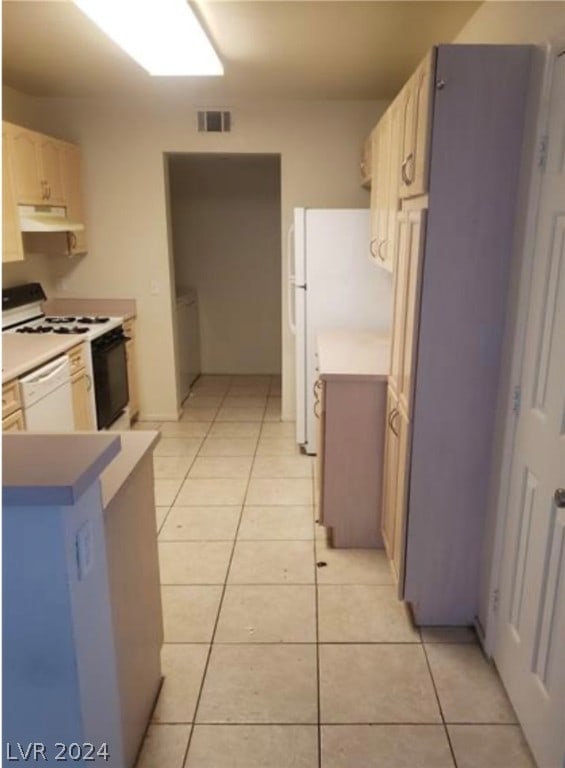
132,379
393,198
12,247
14,423
400,425
51,152
29,184
81,403
375,186
402,252
390,472
414,222
413,226
366,162
418,94
72,192
380,185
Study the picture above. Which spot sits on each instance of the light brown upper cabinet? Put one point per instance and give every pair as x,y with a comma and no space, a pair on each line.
385,201
37,167
365,164
417,97
72,192
12,248
40,170
379,189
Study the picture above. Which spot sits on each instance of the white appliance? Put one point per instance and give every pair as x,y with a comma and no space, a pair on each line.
188,341
332,284
47,398
22,313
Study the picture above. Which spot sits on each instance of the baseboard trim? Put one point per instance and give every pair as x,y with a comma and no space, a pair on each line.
159,416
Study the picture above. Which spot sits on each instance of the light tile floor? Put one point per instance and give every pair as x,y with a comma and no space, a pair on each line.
273,661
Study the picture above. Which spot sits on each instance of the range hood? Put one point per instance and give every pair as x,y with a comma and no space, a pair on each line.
46,218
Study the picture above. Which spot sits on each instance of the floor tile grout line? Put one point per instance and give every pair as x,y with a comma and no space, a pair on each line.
331,724
215,628
436,692
210,646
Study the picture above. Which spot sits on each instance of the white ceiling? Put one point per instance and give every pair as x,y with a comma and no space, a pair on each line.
270,49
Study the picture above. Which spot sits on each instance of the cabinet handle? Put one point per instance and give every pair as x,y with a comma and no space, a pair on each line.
391,417
371,244
408,179
88,382
394,414
317,386
48,191
380,255
72,241
43,189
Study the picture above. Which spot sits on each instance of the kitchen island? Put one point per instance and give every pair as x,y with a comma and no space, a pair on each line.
82,611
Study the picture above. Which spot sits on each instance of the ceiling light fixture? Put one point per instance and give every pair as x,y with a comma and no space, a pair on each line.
164,36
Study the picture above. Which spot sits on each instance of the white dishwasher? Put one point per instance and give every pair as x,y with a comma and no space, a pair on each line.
47,397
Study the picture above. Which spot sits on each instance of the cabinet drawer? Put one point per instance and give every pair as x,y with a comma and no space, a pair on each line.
14,422
77,358
10,398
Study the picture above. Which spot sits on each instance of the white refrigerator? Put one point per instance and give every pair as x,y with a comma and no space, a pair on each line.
332,284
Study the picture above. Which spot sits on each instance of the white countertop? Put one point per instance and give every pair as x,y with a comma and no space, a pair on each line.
358,354
23,352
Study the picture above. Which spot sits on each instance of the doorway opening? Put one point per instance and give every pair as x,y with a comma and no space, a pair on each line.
225,220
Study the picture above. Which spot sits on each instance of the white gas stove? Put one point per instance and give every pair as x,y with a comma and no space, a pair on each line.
30,319
22,313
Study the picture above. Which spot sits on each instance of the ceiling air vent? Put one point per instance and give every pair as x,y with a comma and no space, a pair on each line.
214,121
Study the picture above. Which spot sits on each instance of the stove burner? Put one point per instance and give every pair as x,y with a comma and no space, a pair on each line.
57,320
92,320
72,329
37,329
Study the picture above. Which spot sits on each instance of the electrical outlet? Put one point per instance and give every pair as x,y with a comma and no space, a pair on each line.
85,550
62,284
155,288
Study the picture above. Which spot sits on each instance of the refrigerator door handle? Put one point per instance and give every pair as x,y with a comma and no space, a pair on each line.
291,301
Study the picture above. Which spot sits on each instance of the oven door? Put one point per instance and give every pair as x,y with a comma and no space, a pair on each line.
110,380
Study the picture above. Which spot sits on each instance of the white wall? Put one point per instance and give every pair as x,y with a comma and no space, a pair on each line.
123,142
226,213
514,22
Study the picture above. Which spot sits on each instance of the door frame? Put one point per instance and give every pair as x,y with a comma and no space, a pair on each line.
542,81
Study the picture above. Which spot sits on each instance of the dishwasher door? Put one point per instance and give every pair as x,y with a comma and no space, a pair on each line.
47,398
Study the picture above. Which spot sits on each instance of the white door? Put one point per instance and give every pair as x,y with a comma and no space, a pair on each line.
530,647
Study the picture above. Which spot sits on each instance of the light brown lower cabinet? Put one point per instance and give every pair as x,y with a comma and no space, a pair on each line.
319,405
390,476
80,387
14,423
129,329
351,411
